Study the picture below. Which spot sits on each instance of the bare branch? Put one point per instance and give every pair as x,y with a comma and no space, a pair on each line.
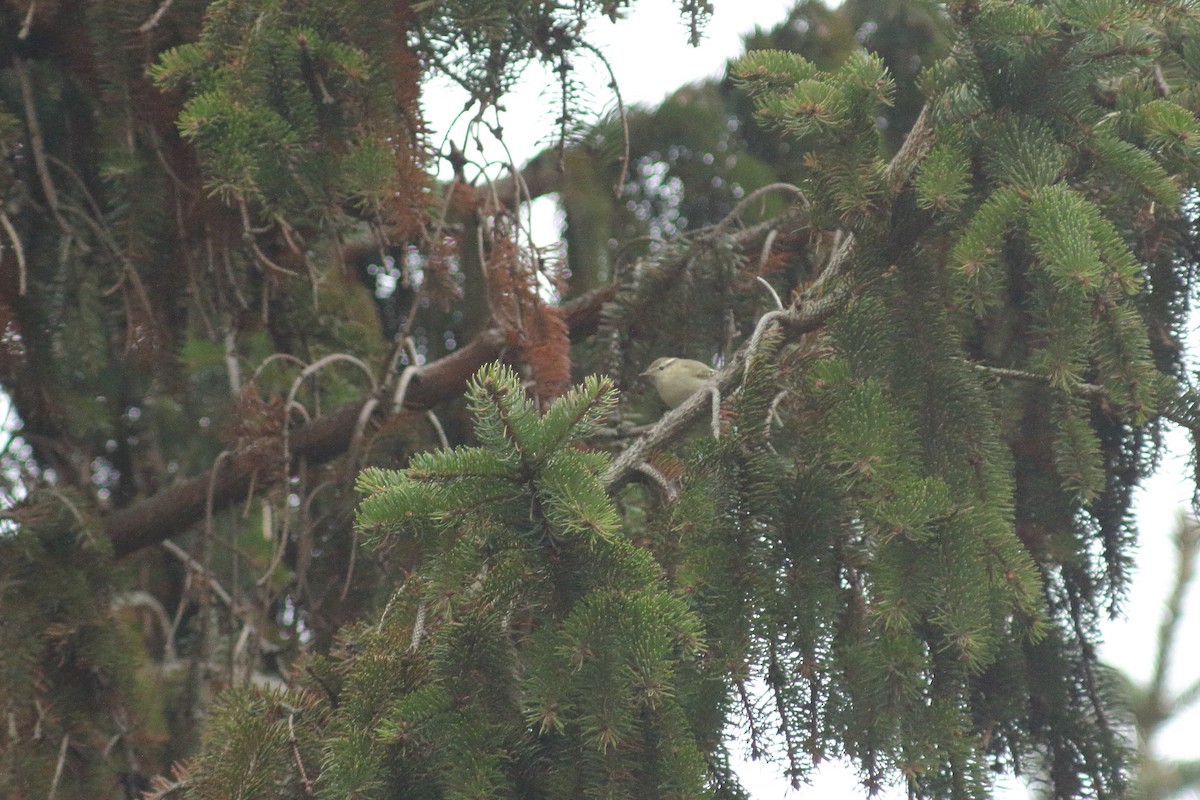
916,145
27,23
18,250
1187,540
37,143
152,23
808,313
173,510
58,769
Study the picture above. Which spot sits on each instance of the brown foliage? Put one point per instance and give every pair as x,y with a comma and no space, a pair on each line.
529,322
409,214
440,286
255,431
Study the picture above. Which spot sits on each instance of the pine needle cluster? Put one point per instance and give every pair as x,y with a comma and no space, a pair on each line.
535,652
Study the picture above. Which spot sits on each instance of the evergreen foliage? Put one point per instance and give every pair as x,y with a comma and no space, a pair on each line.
56,590
255,543
548,630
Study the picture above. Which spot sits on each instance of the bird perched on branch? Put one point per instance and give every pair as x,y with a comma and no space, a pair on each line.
677,379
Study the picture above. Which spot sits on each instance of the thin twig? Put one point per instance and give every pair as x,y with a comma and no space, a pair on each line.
755,195
200,570
403,344
280,546
311,369
231,361
146,600
27,23
360,427
715,405
208,498
248,234
58,769
350,567
181,606
18,250
619,186
762,261
668,489
308,784
278,357
438,429
763,281
418,632
152,23
329,359
756,749
402,387
1186,540
917,143
38,144
298,407
66,501
95,221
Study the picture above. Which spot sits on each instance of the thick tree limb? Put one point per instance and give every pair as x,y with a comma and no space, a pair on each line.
176,508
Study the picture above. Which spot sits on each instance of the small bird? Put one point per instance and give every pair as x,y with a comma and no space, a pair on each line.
677,379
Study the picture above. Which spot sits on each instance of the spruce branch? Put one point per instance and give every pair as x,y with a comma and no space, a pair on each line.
1091,391
808,312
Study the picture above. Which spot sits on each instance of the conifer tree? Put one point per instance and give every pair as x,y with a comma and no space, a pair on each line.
304,503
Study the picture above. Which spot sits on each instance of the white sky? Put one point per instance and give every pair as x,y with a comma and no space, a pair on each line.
650,57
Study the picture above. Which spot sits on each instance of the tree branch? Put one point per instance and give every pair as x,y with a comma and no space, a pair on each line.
807,313
173,510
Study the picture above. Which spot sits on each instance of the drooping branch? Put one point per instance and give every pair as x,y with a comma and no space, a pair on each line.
175,509
808,312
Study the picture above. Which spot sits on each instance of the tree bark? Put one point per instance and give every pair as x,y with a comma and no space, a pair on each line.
176,508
